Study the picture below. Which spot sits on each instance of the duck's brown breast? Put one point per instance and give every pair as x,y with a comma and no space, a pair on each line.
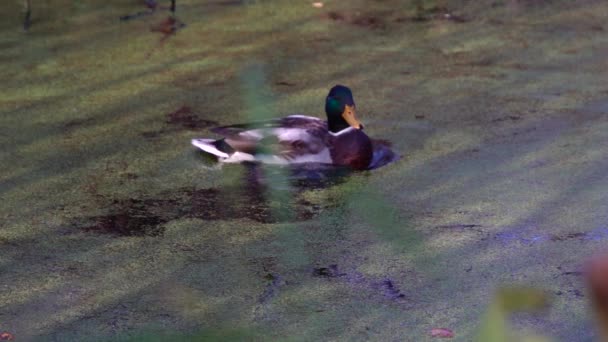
353,148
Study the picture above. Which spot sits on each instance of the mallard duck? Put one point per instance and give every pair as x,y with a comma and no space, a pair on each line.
296,139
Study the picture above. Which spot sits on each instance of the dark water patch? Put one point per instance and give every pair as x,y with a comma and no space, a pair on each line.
285,83
308,210
135,15
483,62
151,5
317,176
188,119
370,22
507,118
153,134
209,204
389,290
275,281
433,13
130,175
569,236
147,216
132,217
330,271
128,224
573,292
298,177
77,123
362,20
168,27
459,226
264,264
510,237
598,234
385,287
248,199
597,28
383,154
228,2
529,238
576,293
183,118
335,16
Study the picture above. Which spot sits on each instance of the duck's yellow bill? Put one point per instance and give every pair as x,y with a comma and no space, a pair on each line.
349,116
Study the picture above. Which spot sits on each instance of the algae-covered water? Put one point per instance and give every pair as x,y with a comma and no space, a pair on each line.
113,226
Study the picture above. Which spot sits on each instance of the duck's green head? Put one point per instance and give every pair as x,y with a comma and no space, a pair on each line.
340,109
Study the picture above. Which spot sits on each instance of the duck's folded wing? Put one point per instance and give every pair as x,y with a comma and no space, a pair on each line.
292,121
291,138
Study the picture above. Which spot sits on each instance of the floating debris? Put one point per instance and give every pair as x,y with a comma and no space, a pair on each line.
285,83
506,118
442,333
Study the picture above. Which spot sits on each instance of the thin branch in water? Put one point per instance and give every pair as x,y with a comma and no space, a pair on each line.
27,20
135,15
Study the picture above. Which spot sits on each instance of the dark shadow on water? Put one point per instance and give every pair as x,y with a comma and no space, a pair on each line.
131,217
383,155
313,175
148,216
309,175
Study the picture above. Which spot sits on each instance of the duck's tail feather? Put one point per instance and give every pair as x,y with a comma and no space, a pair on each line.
218,148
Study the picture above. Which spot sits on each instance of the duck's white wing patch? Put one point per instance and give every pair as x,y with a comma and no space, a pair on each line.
282,134
323,157
238,157
256,134
299,116
207,146
297,139
344,131
292,134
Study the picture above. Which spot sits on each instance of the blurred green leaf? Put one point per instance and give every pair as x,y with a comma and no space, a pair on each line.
495,328
260,106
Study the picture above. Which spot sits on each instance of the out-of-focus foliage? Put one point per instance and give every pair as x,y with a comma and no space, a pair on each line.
509,300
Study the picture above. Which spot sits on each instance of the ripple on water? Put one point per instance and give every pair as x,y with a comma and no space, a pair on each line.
529,237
